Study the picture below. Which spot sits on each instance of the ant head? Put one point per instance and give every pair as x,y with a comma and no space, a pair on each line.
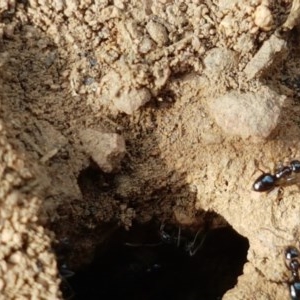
291,253
295,164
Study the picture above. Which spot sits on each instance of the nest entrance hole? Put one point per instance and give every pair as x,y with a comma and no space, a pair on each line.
143,264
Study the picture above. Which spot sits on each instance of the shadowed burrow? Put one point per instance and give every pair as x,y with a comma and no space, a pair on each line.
152,261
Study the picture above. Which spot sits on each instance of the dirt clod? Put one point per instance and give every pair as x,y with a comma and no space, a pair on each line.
132,100
263,18
256,114
271,48
157,32
106,149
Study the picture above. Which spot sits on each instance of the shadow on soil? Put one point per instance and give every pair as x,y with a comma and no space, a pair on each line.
140,264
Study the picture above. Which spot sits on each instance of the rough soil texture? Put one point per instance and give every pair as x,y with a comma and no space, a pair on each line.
156,74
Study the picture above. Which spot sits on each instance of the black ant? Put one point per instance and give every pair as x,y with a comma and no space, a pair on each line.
191,246
284,176
65,274
292,257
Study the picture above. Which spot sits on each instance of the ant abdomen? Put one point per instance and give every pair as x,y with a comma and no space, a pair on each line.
264,183
284,176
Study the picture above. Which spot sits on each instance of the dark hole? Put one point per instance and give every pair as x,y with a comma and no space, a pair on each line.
93,181
139,264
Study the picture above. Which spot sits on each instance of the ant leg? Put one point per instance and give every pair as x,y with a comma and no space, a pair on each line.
178,236
67,289
65,272
279,191
164,236
261,171
279,195
143,245
278,167
190,247
65,286
192,252
256,165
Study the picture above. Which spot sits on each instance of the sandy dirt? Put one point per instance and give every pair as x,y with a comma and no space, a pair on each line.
115,112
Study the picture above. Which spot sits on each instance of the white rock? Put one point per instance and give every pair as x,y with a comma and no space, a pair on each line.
106,149
132,100
158,33
219,60
248,114
265,56
294,16
263,18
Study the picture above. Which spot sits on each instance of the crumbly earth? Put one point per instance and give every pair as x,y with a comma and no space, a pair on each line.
148,71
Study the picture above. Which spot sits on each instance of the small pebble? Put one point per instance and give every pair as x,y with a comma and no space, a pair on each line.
158,33
106,149
263,18
247,114
132,100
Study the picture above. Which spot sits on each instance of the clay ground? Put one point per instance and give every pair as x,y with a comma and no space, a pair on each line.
75,73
